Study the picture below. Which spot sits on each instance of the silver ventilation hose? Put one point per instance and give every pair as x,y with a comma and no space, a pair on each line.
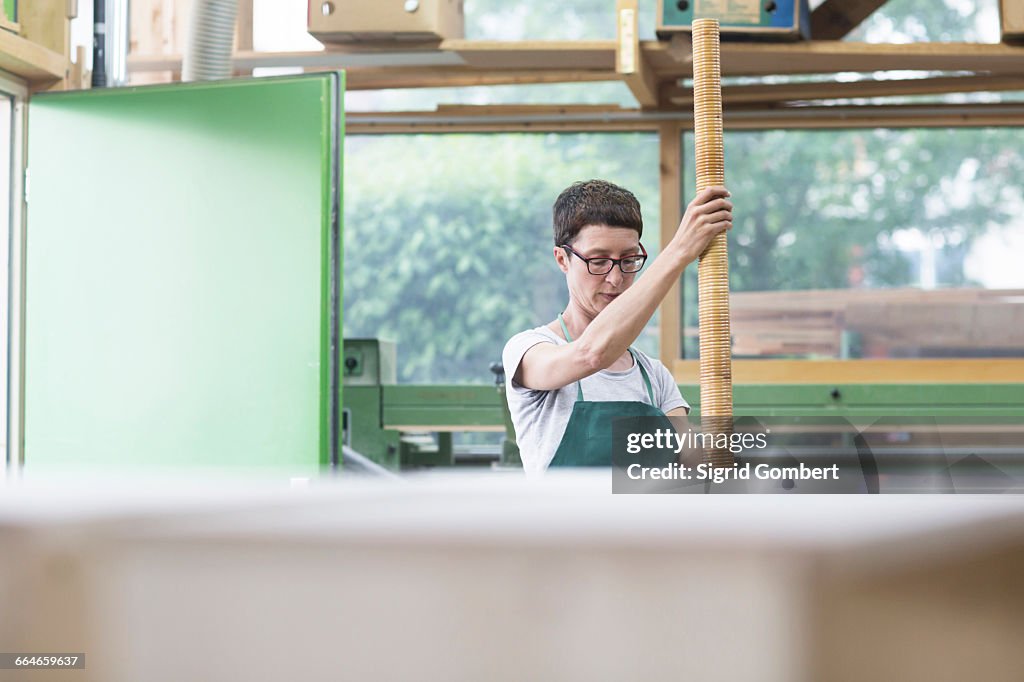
211,35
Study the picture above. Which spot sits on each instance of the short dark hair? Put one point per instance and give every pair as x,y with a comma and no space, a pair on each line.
594,202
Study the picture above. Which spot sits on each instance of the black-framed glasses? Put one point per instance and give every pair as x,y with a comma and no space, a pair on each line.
602,265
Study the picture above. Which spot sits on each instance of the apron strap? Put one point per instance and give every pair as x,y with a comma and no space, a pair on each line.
565,330
643,372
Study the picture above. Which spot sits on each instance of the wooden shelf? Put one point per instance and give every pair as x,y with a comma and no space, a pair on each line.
484,62
28,60
902,322
671,59
601,118
830,56
735,95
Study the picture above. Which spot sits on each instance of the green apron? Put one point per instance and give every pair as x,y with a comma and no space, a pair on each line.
588,435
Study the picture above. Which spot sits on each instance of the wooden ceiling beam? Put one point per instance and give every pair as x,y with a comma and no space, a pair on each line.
738,59
830,56
545,118
1011,21
428,77
38,65
835,19
630,60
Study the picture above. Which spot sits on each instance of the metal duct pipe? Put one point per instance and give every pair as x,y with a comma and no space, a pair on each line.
110,43
210,38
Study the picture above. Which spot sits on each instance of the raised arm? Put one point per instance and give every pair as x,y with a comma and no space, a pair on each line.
547,367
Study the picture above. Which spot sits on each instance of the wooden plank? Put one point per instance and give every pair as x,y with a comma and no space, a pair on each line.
378,78
746,94
671,210
746,58
46,23
38,65
804,118
512,109
357,123
535,54
829,56
835,19
824,299
243,32
159,28
596,59
852,117
329,59
243,26
479,56
939,324
80,76
356,126
630,61
772,323
946,370
428,77
1011,20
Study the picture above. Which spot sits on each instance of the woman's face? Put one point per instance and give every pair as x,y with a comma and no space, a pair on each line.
593,293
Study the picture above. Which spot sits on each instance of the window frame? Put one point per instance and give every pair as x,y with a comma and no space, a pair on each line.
18,91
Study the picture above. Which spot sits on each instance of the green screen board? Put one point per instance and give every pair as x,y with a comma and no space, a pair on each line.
183,285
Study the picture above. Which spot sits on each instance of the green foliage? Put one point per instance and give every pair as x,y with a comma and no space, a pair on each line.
824,209
812,205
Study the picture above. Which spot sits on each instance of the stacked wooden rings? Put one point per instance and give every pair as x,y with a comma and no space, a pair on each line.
713,269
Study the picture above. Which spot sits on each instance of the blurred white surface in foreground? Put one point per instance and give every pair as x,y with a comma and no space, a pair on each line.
483,576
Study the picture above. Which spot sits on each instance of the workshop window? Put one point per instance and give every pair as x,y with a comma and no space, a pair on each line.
448,240
10,218
877,243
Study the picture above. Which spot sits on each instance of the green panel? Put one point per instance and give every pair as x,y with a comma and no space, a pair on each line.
183,275
369,362
458,405
424,406
11,9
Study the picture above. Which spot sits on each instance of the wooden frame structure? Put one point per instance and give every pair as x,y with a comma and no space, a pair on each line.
656,73
36,48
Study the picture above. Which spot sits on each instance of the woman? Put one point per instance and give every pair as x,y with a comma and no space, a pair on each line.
572,377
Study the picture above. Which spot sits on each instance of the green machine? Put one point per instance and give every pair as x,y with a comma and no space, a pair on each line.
368,365
403,426
387,422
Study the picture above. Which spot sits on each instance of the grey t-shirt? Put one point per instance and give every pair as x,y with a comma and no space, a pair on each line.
540,417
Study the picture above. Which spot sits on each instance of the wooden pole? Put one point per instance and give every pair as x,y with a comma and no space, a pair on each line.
713,268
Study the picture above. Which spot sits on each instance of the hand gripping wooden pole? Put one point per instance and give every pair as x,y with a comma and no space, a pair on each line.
713,267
